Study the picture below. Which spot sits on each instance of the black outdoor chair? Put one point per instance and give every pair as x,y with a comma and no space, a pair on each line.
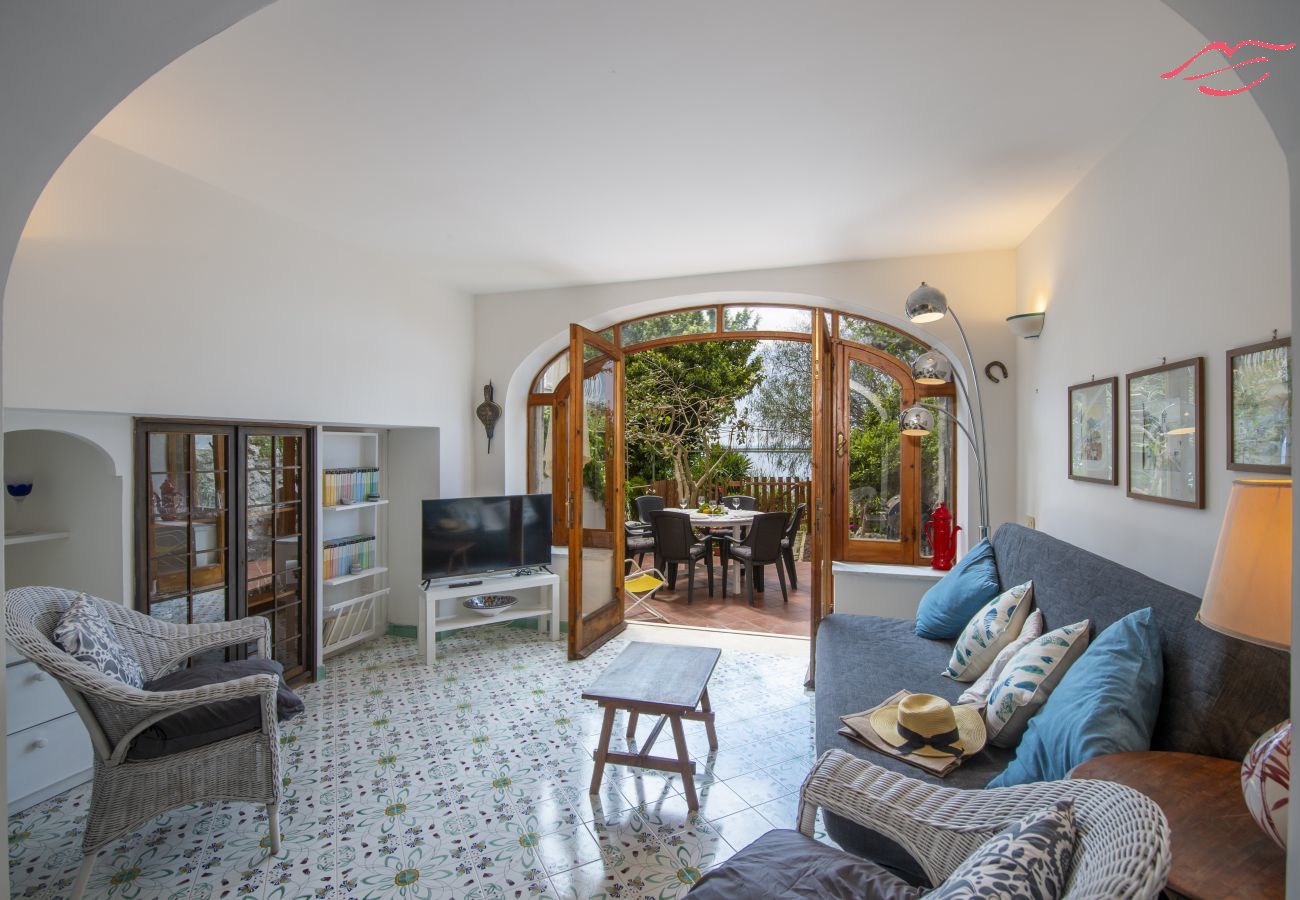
646,505
787,543
746,501
760,547
675,542
638,541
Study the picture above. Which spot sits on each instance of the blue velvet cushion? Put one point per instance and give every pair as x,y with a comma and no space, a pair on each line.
947,607
1107,702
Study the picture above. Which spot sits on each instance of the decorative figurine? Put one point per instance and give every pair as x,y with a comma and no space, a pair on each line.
488,413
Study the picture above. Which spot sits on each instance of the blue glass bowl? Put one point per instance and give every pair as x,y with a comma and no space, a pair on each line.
18,489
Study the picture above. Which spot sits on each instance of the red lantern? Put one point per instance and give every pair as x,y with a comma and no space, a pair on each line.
942,535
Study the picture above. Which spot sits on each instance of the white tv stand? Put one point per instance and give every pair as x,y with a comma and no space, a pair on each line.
540,597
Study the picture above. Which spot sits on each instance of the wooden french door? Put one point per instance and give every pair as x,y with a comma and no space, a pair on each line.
223,530
823,478
593,498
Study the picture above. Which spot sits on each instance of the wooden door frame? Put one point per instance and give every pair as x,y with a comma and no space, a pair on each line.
607,621
822,487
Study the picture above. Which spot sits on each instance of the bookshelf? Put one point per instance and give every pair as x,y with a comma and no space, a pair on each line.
354,534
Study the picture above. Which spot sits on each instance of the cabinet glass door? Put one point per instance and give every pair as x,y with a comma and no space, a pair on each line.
222,531
275,540
184,558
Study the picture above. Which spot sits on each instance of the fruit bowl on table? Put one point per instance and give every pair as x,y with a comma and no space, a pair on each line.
490,604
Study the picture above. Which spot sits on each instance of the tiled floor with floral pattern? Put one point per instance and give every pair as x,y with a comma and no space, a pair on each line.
467,779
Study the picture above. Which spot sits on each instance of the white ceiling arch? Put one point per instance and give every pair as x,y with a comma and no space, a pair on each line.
531,145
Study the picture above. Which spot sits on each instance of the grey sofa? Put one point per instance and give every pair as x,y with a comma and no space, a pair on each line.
1219,693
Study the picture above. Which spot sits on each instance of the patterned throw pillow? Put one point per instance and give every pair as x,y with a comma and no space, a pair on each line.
1030,859
1028,680
978,693
993,627
86,634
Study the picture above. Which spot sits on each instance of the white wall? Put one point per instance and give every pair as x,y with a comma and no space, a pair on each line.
77,490
1176,245
516,332
137,289
83,440
413,464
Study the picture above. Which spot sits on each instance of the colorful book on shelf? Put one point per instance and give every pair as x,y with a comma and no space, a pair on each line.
352,485
338,555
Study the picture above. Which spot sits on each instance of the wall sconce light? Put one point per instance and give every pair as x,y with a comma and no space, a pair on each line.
1026,325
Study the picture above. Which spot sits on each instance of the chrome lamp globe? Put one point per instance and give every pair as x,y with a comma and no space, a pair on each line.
929,304
926,304
931,367
916,421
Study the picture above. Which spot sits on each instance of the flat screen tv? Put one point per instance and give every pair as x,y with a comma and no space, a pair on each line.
473,535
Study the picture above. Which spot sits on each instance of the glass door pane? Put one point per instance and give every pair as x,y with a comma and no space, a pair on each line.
185,547
938,463
877,510
275,541
875,459
595,496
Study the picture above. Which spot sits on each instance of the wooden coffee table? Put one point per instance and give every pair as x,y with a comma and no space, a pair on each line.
1218,850
666,680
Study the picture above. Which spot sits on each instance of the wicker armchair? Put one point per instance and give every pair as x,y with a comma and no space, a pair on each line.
127,793
1123,851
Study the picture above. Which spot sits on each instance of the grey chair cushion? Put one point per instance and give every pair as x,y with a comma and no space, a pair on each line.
199,726
787,864
639,544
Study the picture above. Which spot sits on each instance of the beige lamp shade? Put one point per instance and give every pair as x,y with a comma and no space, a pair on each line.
1248,595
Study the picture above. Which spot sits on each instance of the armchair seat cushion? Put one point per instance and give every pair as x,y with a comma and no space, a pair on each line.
788,864
209,723
639,544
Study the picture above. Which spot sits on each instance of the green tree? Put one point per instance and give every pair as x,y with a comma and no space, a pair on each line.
681,398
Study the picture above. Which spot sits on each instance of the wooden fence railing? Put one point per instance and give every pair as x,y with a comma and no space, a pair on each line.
772,494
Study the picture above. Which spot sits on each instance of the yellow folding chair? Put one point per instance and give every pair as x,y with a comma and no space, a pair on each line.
640,584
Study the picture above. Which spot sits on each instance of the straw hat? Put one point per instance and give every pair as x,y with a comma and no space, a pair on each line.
926,725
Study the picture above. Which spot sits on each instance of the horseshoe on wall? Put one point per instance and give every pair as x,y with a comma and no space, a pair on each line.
988,370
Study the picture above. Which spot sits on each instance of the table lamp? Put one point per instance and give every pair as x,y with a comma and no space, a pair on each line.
1248,596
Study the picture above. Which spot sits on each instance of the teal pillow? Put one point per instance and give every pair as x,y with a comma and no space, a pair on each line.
947,607
1107,702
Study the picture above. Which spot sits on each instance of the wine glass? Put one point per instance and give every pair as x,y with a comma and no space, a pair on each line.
735,503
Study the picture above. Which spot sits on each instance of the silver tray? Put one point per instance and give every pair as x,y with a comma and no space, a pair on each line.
490,604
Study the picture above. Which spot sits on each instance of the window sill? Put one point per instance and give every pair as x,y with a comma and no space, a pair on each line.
887,569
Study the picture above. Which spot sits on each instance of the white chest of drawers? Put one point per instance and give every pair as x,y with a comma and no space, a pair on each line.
47,749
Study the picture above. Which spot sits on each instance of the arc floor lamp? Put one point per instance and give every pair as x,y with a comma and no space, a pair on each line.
928,304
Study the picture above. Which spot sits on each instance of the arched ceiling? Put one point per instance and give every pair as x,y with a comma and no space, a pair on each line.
517,145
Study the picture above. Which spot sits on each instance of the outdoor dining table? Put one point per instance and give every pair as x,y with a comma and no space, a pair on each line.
736,520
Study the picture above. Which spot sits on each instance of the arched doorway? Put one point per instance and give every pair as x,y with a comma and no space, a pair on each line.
867,491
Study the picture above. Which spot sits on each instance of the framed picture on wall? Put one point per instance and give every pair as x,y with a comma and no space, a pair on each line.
1166,439
1094,424
1259,407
